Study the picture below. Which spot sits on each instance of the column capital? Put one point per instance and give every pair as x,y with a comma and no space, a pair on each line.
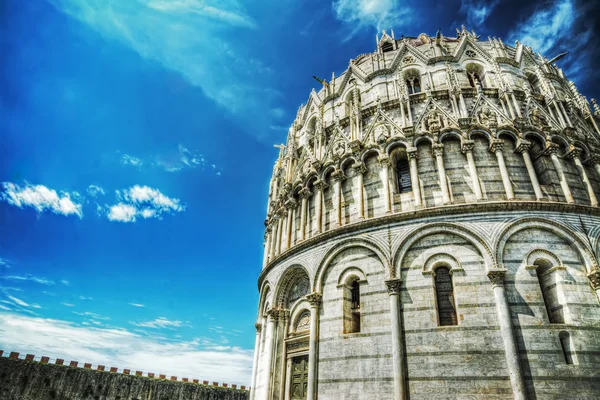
384,160
258,327
522,145
594,278
574,152
497,276
551,149
467,146
394,285
438,149
496,145
305,192
338,175
320,185
593,159
277,314
291,204
360,168
314,299
412,152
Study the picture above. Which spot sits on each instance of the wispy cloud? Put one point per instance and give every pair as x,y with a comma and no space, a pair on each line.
191,37
65,282
378,14
558,28
91,315
142,202
136,305
85,298
160,323
174,161
95,191
125,349
477,11
41,198
22,303
28,277
68,304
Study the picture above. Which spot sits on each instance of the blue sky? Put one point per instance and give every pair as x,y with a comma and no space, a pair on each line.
136,148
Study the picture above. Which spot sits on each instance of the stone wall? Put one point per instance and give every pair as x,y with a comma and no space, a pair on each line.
31,380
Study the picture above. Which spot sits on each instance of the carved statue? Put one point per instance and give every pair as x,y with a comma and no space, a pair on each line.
537,119
382,133
434,122
487,117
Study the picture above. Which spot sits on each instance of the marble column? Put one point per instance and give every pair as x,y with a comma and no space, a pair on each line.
523,147
467,149
360,188
272,318
506,331
274,237
304,194
551,150
575,155
594,160
314,300
338,176
290,205
496,146
400,389
258,327
319,187
384,161
438,151
267,246
279,232
413,155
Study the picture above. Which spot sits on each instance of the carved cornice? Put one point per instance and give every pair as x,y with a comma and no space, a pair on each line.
412,152
258,327
360,168
338,175
574,153
394,286
320,185
305,192
384,160
438,150
278,314
425,214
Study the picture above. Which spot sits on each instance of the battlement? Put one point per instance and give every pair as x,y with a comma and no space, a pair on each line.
32,371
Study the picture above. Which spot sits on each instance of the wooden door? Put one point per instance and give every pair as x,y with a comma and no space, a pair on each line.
299,378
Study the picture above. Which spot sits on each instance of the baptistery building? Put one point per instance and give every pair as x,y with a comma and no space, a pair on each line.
433,231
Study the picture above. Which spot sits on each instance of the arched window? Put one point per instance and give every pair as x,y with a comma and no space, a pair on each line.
444,291
403,176
548,285
475,74
413,82
534,82
352,307
387,46
567,347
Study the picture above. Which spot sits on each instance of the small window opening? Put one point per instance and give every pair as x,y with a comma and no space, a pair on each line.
387,46
474,78
549,288
567,347
352,308
445,297
413,83
475,74
403,176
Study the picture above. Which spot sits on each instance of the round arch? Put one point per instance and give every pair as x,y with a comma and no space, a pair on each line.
369,152
265,292
395,143
337,249
452,133
293,274
557,228
442,227
480,131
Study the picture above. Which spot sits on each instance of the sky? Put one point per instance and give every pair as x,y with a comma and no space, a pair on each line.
136,148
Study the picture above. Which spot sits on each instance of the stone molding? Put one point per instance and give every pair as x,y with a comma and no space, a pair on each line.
497,276
314,299
394,286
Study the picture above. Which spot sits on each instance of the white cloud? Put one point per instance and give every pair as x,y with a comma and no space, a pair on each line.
4,308
68,304
125,349
85,298
557,28
378,14
41,199
65,282
91,315
29,277
131,160
94,191
142,201
136,305
159,323
18,301
195,38
173,161
477,11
